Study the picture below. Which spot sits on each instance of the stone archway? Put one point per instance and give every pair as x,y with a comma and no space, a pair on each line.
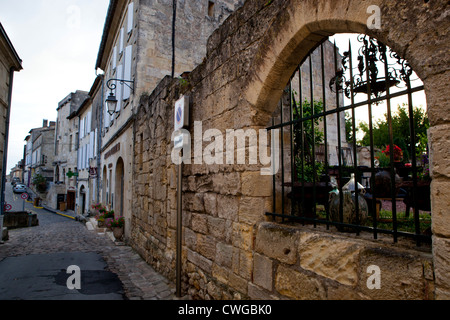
414,29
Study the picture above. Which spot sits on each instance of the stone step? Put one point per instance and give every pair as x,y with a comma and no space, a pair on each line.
5,235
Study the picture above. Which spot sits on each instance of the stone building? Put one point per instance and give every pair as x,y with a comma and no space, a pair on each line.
137,47
42,152
17,171
27,161
230,248
87,180
66,142
10,62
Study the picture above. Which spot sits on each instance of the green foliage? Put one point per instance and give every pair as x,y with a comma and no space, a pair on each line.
40,182
310,172
349,128
104,214
117,223
384,160
401,131
306,135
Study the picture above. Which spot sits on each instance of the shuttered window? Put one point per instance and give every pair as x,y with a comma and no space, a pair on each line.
130,17
127,71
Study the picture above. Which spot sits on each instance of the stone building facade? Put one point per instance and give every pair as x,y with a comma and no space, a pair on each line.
42,153
231,250
10,62
66,142
137,47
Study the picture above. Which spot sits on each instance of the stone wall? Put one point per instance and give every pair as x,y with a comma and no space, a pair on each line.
229,249
14,220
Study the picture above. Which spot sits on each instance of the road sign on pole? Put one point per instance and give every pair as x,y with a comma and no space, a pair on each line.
181,113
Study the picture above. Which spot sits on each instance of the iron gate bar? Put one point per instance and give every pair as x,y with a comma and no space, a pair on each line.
341,195
327,212
413,151
301,133
355,156
282,158
391,144
313,144
372,155
273,176
291,116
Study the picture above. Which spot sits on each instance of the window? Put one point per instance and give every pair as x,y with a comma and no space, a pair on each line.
130,17
211,9
121,35
127,71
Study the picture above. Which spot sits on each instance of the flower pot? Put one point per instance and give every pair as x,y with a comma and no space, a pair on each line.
117,232
349,214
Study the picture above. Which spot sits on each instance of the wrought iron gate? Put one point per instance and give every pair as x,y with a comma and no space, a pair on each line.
322,178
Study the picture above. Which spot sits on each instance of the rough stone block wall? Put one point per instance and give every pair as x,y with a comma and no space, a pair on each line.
229,250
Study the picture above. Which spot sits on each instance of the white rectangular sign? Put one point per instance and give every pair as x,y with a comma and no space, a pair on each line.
181,118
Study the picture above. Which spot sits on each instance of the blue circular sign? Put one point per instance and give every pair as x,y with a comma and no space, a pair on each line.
179,115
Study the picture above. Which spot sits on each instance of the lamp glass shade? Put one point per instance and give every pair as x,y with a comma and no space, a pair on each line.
111,104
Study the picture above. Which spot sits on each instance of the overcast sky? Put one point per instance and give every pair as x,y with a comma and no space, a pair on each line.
58,42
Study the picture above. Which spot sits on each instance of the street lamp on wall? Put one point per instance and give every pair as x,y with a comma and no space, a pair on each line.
111,101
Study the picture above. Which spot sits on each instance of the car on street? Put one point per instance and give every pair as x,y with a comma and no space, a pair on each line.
19,188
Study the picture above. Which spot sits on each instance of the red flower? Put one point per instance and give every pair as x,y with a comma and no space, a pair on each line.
398,153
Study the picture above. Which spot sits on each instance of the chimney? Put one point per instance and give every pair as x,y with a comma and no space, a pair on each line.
45,123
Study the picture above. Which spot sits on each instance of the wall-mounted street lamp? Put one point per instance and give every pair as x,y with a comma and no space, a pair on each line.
111,101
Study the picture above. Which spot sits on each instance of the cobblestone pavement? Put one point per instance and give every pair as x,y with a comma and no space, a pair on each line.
57,234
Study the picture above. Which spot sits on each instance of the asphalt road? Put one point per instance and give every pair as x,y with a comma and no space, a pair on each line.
34,262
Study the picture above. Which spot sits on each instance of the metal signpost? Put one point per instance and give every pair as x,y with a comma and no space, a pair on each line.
24,197
181,121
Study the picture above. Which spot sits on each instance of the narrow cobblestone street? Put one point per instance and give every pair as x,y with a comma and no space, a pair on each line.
58,234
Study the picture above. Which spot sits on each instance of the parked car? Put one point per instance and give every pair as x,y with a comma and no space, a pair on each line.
19,188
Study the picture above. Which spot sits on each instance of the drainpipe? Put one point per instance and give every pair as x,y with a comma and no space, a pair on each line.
173,35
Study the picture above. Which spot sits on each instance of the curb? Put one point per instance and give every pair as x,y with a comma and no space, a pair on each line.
58,213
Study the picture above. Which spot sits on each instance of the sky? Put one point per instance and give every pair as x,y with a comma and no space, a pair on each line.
58,42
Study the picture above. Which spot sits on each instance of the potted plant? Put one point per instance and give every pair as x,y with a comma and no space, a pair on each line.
40,183
117,226
98,208
104,216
